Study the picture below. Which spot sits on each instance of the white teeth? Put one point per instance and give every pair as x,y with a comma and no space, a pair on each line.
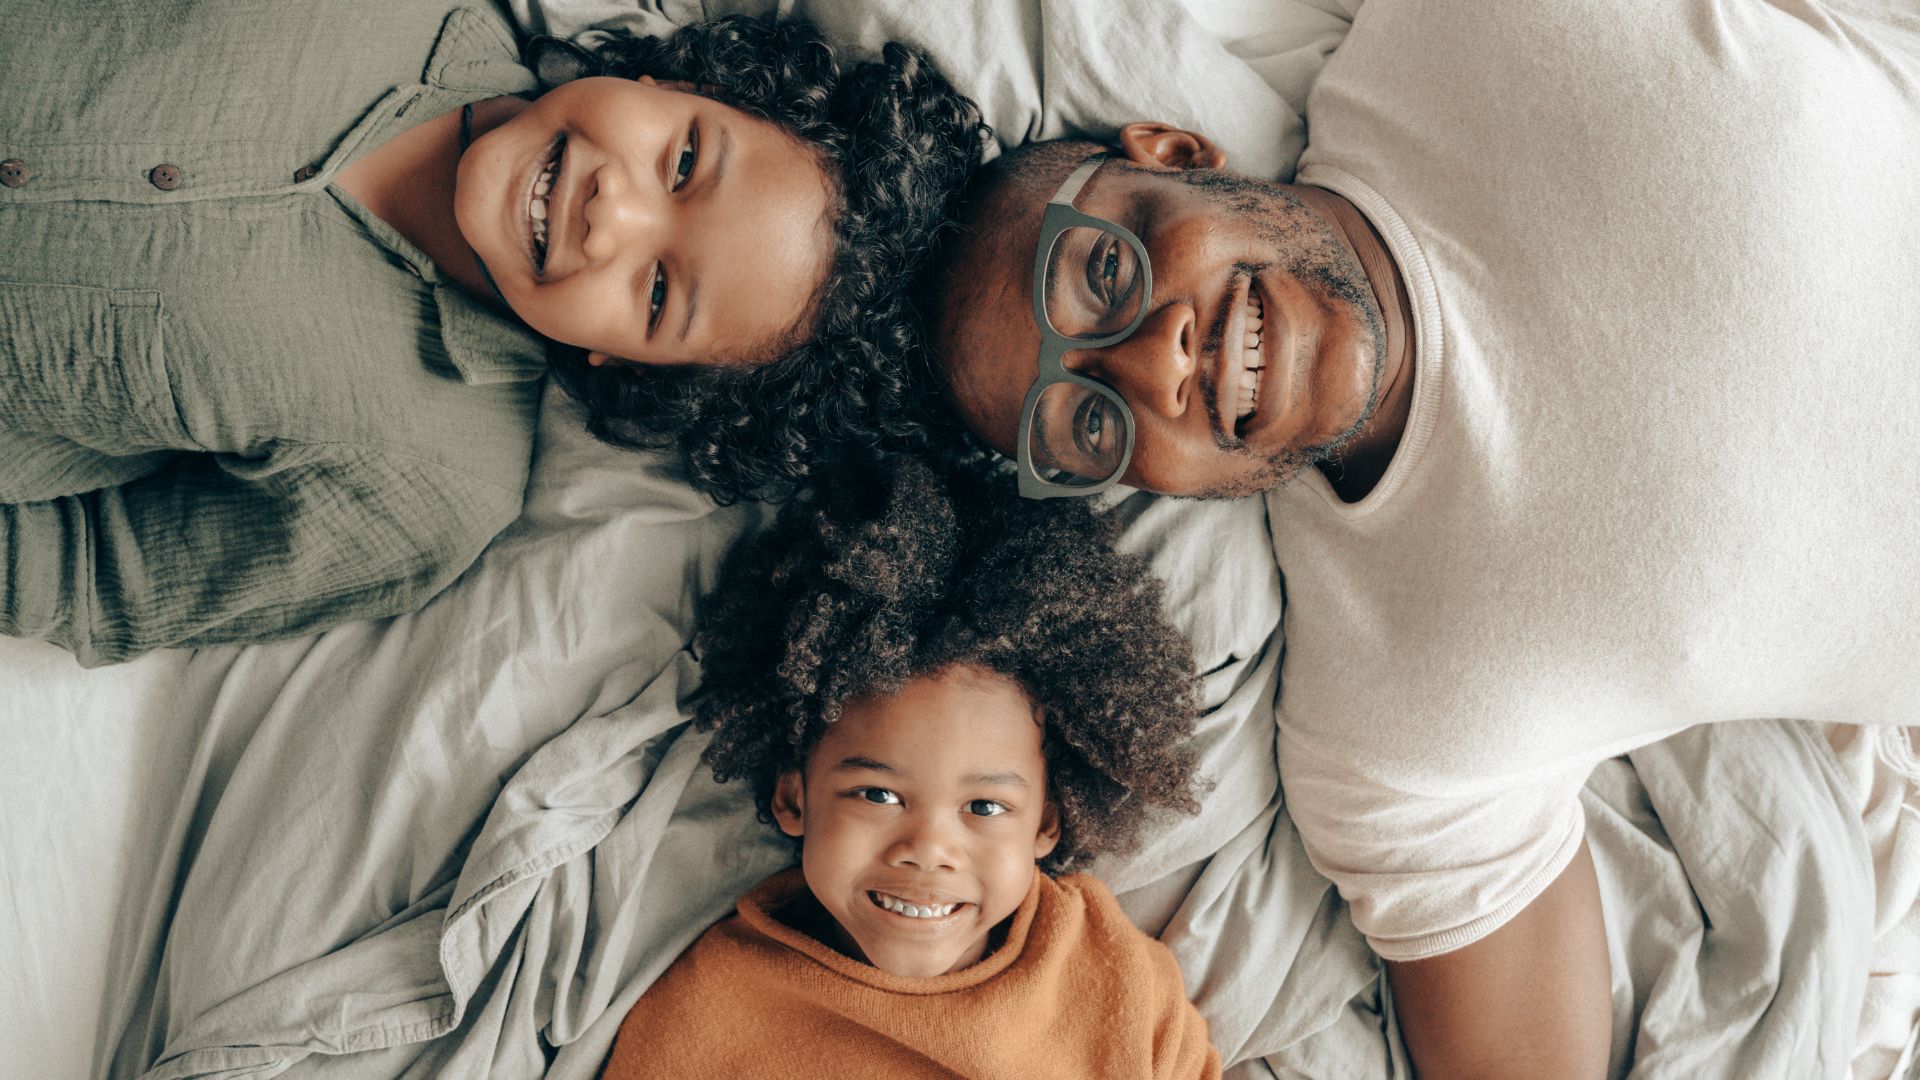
914,911
1253,367
1249,389
537,202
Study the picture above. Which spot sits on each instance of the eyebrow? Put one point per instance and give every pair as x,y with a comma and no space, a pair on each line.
1040,431
708,189
857,763
997,779
1046,280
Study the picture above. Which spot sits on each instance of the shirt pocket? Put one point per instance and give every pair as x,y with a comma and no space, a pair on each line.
87,365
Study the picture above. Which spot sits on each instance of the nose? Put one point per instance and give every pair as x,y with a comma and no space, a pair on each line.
926,841
620,215
1153,369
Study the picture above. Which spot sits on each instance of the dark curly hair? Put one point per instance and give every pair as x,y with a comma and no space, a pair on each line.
900,144
864,582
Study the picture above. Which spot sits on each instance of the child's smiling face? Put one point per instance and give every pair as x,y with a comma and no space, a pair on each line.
671,229
923,813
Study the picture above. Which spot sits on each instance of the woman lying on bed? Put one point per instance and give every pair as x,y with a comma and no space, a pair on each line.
279,282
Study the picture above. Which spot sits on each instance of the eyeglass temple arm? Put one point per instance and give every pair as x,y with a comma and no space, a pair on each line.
1077,179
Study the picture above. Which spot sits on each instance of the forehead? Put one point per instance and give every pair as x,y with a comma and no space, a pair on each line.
765,242
988,338
961,720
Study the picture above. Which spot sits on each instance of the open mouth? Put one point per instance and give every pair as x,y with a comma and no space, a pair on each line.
889,902
1253,363
544,179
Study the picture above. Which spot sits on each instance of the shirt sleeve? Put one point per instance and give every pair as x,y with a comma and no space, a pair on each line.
1426,874
217,549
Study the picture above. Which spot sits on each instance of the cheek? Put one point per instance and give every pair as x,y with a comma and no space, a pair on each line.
573,312
1169,461
835,849
1010,877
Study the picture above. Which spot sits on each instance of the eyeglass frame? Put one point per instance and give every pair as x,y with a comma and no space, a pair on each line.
1057,218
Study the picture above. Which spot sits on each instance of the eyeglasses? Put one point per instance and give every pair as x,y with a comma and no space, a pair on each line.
1091,285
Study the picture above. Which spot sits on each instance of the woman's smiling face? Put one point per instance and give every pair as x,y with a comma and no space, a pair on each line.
648,224
921,815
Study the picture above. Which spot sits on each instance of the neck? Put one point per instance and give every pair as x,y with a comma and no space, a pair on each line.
410,181
1362,462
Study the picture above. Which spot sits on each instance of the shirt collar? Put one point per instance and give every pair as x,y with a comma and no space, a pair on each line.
474,58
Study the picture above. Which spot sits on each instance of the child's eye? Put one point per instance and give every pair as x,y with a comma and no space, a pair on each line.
689,155
657,296
879,796
986,808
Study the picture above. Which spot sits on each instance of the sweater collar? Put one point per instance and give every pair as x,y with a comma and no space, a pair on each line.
756,910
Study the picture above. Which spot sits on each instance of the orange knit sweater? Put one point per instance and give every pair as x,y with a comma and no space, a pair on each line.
1076,991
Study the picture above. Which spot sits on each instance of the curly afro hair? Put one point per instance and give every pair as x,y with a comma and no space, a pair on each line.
900,144
865,582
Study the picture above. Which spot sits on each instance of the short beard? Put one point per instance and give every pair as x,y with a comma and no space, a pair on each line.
1319,262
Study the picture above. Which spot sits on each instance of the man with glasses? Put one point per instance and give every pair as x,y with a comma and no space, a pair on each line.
1201,423
1581,369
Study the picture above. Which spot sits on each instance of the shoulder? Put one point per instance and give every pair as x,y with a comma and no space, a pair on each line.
1080,915
1131,982
671,1023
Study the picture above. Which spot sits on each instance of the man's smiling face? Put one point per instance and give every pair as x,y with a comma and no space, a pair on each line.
1263,345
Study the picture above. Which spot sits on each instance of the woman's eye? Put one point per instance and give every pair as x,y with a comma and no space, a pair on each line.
879,796
657,298
689,155
986,808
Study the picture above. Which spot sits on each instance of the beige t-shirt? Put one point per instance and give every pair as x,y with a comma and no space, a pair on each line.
1663,464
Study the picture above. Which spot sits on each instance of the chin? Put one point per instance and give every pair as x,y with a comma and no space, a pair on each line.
918,969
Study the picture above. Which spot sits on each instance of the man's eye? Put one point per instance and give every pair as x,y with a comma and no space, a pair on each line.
1091,425
689,155
1106,267
657,299
879,796
986,808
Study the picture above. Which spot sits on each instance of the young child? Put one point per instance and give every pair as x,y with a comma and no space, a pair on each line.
950,699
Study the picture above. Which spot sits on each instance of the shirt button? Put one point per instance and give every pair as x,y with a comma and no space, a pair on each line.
164,177
305,173
14,173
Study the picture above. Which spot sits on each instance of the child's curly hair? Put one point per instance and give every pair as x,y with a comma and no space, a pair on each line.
867,581
899,143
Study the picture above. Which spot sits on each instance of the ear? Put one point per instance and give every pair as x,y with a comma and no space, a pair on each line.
790,803
1049,836
1153,143
597,358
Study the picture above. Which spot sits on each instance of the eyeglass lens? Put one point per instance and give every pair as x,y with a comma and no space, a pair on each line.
1093,289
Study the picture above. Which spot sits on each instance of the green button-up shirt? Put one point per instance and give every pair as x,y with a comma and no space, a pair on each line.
234,405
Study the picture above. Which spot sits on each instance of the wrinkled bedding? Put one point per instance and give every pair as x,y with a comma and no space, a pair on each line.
462,842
